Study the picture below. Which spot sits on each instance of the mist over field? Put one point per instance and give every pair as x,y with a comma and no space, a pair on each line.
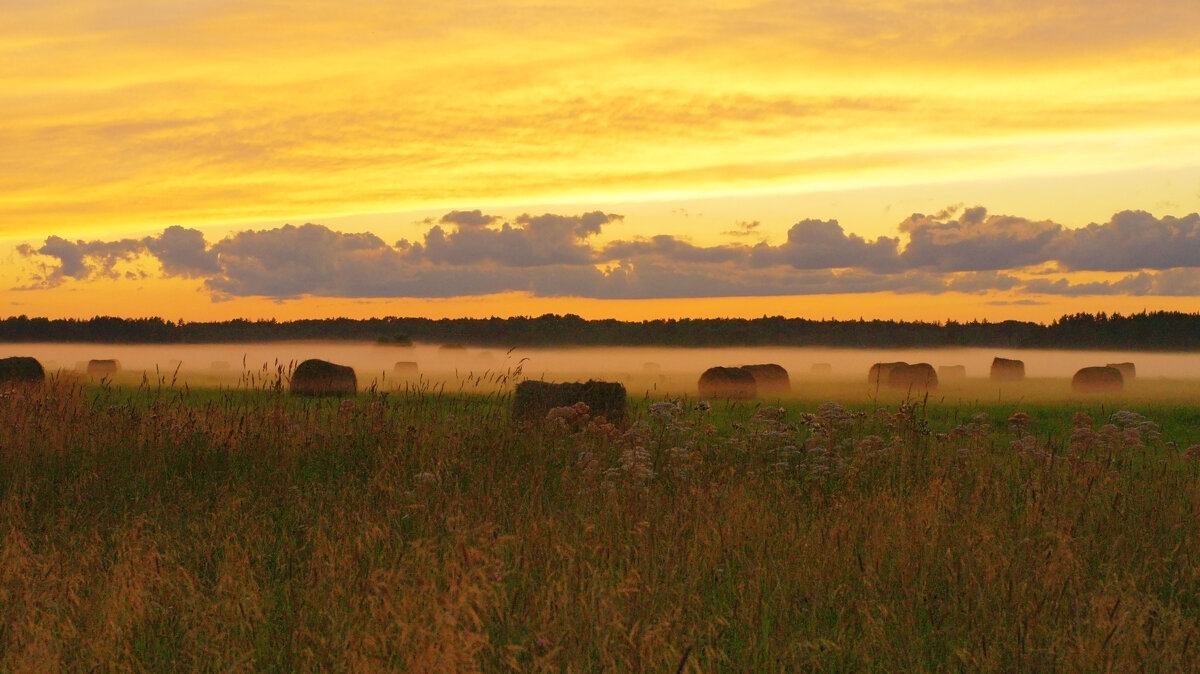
644,370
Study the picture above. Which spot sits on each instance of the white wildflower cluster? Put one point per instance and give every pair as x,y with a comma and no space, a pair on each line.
1125,430
666,410
635,465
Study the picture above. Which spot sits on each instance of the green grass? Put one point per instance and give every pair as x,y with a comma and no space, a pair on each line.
155,527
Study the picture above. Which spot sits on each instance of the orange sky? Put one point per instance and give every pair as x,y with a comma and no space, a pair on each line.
716,127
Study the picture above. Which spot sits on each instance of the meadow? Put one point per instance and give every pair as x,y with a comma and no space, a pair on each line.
152,526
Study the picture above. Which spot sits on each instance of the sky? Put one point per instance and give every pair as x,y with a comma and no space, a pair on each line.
896,159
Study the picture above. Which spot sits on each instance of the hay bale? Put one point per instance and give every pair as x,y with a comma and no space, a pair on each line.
1128,370
770,378
878,374
405,368
915,377
21,370
650,367
1007,369
316,377
1097,379
954,373
103,368
736,383
534,399
821,369
220,366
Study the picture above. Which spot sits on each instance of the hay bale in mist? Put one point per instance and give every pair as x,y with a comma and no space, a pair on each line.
821,370
1007,369
533,400
651,368
915,377
405,368
220,366
103,368
770,378
736,383
1097,379
955,373
21,370
878,374
1128,370
316,377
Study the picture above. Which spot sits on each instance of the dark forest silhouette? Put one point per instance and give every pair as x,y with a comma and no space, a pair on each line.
1153,331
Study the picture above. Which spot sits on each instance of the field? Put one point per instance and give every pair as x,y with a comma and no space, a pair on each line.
159,527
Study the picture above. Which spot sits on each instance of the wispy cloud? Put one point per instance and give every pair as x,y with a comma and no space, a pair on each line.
141,113
553,255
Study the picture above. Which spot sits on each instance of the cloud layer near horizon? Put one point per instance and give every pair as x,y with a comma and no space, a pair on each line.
551,255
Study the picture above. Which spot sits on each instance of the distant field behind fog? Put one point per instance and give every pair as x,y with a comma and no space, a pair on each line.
645,370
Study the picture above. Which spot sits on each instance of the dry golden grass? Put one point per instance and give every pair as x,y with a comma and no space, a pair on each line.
161,529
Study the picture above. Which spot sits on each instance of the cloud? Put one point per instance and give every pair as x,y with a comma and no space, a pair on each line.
823,244
183,252
1132,240
532,241
976,241
552,255
82,259
474,218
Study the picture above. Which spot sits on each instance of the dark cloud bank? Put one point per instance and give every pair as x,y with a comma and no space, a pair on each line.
473,253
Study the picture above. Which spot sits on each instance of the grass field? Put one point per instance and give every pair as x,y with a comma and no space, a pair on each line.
156,528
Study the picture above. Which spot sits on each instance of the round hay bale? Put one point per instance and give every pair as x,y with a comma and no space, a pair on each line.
915,377
533,400
405,368
821,369
651,368
21,370
103,368
728,382
956,373
878,374
1007,369
316,377
770,378
1097,379
220,366
1128,370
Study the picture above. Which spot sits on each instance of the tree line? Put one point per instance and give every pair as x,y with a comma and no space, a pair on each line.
1148,331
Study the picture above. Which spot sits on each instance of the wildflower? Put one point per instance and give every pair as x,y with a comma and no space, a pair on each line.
637,464
1017,422
666,410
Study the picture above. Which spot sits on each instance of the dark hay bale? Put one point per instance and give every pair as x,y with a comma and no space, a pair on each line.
878,374
316,377
103,368
534,399
1097,379
916,377
736,383
21,370
1128,370
952,372
405,368
770,378
1006,369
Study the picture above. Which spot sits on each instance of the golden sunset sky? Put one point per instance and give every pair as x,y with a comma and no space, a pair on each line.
214,159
